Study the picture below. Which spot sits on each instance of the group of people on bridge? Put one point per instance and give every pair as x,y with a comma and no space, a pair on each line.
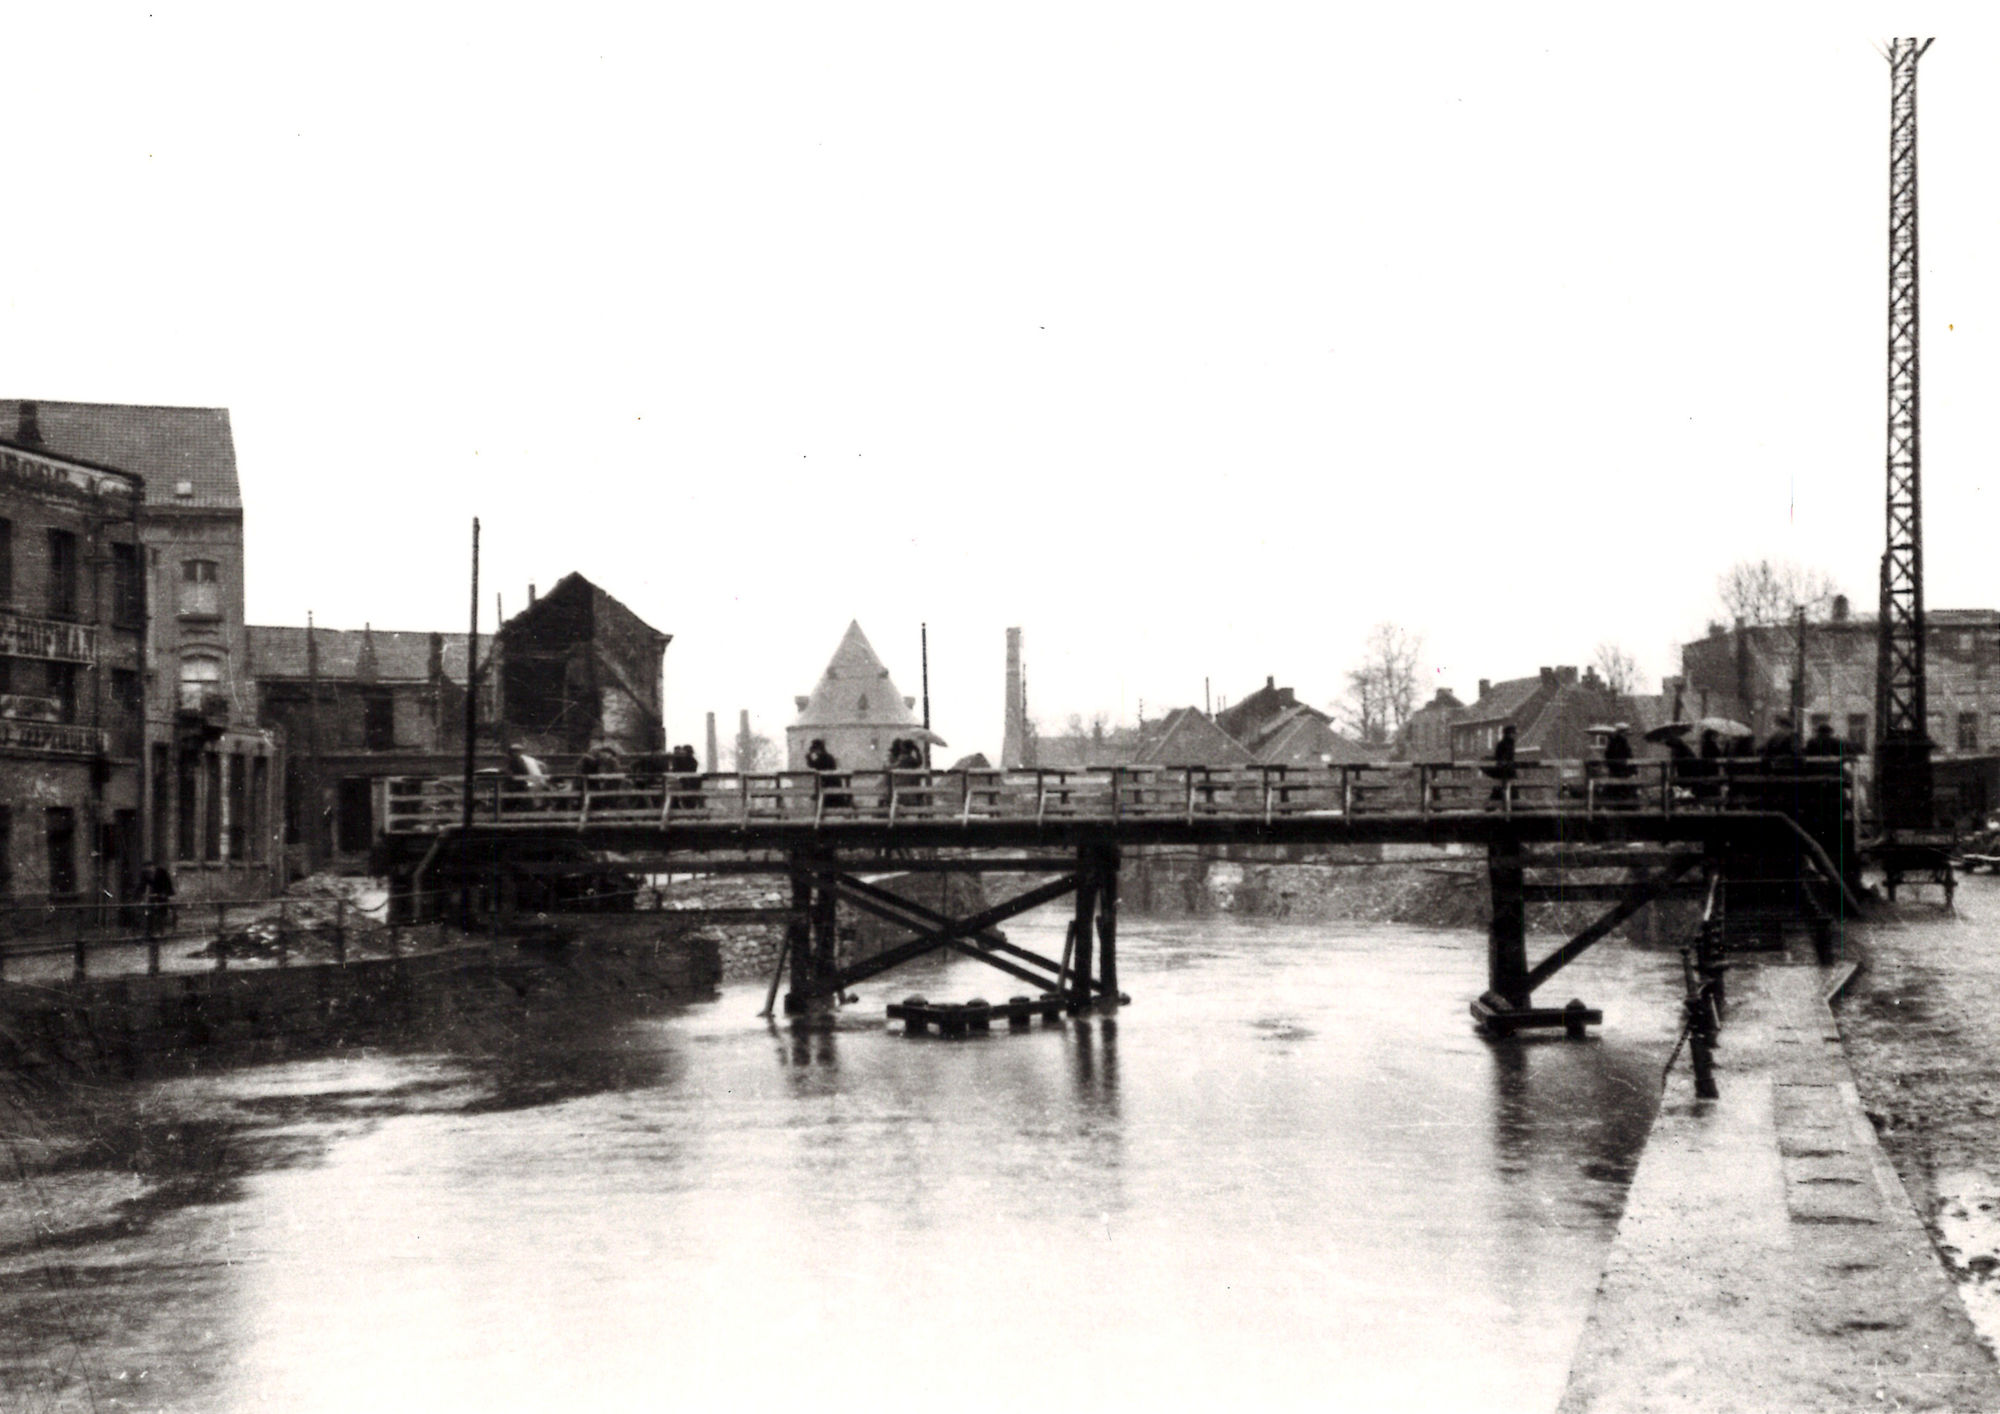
1696,768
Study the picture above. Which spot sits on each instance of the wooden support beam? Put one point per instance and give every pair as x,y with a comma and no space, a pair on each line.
1637,895
959,928
1592,892
1107,921
1507,935
918,917
1085,973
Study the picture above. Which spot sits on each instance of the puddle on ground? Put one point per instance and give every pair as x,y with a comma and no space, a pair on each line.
1968,1225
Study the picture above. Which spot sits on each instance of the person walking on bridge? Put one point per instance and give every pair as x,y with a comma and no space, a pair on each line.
819,759
1502,770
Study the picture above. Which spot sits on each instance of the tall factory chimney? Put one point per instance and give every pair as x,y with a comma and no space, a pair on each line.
1014,744
709,760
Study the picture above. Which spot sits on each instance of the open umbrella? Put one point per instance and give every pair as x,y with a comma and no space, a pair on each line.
1601,729
925,734
1722,726
1666,731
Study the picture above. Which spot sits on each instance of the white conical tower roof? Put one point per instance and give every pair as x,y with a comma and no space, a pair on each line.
855,690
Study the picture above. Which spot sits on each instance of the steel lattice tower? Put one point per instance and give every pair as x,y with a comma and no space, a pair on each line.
1902,729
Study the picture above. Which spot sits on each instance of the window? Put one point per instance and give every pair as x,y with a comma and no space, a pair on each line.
212,816
185,778
6,851
125,691
378,721
162,802
62,574
62,687
6,561
1857,731
1968,731
128,587
62,851
6,675
200,598
239,815
260,790
201,678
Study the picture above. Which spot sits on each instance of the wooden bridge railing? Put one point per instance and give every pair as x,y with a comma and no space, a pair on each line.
425,805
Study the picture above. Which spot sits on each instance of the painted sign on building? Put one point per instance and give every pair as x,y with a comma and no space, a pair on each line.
27,469
23,637
56,737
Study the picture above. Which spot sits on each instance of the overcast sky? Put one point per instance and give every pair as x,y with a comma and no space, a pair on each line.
1192,339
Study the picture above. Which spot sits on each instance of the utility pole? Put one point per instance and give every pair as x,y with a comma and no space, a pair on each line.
314,802
925,631
471,738
1902,725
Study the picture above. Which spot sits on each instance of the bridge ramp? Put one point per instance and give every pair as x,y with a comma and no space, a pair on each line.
1768,1258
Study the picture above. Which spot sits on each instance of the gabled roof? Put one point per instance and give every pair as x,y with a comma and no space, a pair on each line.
280,652
570,596
1187,737
1306,739
1503,702
168,446
1261,712
855,690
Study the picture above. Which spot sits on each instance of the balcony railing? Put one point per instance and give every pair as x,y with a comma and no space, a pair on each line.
52,640
51,738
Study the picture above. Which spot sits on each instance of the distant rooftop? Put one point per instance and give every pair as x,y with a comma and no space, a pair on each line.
186,455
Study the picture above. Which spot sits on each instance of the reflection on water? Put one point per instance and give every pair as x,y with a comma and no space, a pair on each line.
1288,1173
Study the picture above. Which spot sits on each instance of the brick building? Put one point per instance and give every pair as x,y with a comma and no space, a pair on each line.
1746,673
387,704
1426,736
1551,714
72,626
212,775
578,670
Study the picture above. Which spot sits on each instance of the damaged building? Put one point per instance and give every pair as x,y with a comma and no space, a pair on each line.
357,707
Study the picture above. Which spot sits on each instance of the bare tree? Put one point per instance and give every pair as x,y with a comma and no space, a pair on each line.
1619,669
1382,689
1768,593
753,753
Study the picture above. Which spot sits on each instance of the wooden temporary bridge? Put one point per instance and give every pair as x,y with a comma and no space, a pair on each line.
1776,840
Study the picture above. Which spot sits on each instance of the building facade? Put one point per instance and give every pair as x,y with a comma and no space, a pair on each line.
211,774
358,707
72,634
579,670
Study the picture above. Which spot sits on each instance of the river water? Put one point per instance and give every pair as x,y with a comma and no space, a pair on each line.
1289,1174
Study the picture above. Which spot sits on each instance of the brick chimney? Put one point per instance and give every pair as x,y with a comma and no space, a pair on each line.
1485,688
30,432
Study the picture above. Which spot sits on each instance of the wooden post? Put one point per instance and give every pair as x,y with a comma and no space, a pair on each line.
221,952
825,930
82,957
798,939
1107,922
340,931
1507,937
284,951
1086,925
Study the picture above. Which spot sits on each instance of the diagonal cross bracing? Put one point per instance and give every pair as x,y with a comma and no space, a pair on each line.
959,928
897,909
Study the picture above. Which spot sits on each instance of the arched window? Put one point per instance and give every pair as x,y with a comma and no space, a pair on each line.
201,678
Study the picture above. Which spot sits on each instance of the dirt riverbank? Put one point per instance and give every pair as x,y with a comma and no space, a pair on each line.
1922,1028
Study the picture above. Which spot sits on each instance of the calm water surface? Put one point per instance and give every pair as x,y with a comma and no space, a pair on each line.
1288,1173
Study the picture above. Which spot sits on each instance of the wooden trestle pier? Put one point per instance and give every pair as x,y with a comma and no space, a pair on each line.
1777,842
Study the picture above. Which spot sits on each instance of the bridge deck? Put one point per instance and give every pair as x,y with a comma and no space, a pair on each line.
1139,805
